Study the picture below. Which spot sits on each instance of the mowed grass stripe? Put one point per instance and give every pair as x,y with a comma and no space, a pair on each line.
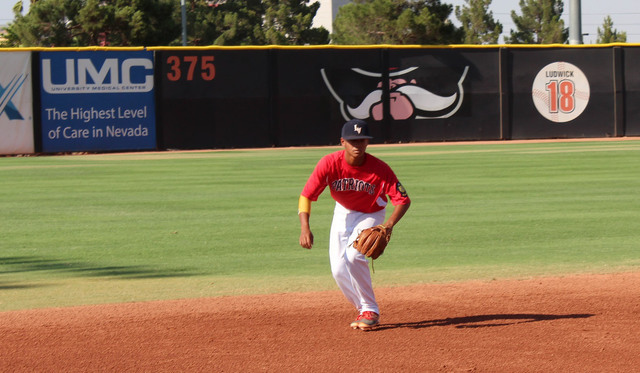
173,225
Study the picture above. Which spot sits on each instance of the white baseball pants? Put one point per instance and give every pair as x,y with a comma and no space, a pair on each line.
350,269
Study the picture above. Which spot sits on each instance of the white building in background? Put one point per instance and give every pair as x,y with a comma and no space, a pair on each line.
327,13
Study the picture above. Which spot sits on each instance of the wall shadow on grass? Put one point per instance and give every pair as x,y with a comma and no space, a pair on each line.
25,264
12,285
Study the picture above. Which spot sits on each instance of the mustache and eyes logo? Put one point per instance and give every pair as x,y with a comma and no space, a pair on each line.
6,95
407,99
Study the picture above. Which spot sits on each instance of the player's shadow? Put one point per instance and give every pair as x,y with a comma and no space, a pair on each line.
482,321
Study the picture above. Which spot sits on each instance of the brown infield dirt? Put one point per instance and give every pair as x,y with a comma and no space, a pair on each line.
577,323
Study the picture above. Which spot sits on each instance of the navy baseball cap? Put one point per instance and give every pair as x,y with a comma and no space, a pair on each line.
356,129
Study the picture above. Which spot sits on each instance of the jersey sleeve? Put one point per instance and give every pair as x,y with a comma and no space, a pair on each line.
317,182
395,190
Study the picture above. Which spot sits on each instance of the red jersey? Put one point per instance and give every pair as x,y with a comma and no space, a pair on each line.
361,188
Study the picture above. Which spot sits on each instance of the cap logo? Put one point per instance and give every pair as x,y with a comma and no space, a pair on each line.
357,129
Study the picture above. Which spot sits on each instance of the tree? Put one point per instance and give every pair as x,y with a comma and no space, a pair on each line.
289,22
64,23
237,22
144,22
127,23
395,22
253,22
610,35
539,23
477,22
48,23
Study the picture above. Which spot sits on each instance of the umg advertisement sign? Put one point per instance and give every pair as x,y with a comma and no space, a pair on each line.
97,101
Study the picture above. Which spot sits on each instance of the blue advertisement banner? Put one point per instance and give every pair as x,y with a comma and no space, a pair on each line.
97,101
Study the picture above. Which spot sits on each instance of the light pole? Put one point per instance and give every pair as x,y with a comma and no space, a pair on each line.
183,10
575,23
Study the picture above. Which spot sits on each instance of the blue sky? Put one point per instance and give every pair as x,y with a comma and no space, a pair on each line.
624,13
6,10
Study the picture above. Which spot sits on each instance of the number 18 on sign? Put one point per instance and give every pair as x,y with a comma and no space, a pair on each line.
560,92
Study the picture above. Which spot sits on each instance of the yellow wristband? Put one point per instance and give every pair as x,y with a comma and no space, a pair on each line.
304,205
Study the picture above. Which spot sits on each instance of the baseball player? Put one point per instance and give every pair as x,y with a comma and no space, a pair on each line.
360,184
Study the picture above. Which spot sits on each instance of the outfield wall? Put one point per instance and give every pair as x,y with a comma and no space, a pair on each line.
119,99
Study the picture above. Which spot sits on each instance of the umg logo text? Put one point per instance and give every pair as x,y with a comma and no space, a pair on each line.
130,75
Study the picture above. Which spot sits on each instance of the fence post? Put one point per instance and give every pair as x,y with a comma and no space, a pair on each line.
619,119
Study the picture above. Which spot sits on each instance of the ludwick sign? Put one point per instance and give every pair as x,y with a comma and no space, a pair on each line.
97,101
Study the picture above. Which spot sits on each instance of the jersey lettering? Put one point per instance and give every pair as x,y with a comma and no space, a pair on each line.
351,184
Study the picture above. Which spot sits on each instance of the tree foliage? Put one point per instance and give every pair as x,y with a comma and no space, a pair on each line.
610,35
539,23
226,23
290,22
70,23
66,23
254,22
478,23
395,22
48,23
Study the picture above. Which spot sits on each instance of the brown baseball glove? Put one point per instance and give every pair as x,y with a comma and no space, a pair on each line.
372,241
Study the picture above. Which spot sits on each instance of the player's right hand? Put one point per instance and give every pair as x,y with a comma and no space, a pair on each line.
306,239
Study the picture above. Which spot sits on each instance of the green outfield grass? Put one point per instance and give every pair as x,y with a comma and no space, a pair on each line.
93,229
